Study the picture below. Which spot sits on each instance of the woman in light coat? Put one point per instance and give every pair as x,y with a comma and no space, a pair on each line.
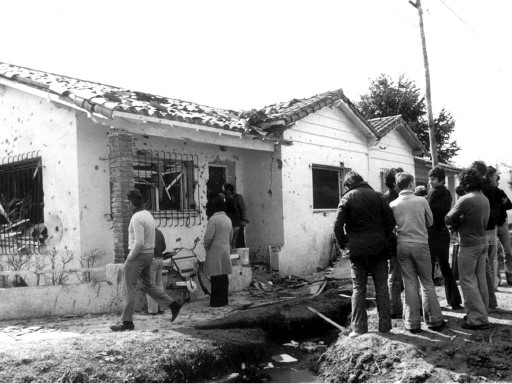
217,239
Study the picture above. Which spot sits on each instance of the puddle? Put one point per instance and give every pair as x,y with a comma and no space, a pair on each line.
291,375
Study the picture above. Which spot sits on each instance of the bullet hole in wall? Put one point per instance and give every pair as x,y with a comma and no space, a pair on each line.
96,167
56,229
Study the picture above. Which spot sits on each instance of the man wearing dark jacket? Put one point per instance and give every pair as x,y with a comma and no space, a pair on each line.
504,234
235,209
440,202
364,224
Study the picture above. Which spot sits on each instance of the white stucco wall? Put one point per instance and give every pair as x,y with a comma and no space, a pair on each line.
326,137
392,151
29,123
94,189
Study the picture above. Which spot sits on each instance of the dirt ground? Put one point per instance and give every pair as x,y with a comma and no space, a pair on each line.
236,344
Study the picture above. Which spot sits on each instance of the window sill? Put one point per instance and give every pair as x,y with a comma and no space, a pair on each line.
325,210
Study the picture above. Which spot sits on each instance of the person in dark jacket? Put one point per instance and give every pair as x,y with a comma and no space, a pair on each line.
504,234
493,195
395,283
440,202
363,224
235,209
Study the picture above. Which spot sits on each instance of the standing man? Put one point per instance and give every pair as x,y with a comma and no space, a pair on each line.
395,274
413,216
470,216
364,223
141,245
236,212
440,202
504,234
155,271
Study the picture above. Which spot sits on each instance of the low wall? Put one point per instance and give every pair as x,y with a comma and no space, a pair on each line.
87,298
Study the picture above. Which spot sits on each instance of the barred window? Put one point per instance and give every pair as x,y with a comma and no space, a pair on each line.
21,197
168,183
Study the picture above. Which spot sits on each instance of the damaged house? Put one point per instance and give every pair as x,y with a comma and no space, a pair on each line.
72,149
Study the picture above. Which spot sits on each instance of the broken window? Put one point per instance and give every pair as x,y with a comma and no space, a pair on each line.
21,196
168,183
327,186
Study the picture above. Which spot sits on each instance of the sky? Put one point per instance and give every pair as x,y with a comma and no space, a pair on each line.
244,54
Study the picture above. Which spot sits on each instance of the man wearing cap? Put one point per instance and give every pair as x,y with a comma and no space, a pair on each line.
141,245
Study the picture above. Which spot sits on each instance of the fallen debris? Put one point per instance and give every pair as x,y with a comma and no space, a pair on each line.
284,358
326,319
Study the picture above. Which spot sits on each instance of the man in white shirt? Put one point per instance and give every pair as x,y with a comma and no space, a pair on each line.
141,245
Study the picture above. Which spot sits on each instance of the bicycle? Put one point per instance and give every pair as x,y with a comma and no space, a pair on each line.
183,268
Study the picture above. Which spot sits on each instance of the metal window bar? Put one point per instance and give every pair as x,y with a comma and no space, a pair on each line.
168,183
21,196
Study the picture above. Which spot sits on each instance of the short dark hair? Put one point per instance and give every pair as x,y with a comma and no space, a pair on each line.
460,190
490,172
389,178
471,180
217,204
229,187
437,172
403,179
351,179
479,166
135,197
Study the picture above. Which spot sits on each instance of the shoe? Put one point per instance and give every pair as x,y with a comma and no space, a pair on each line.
354,334
457,307
175,310
124,326
475,326
413,330
145,313
440,327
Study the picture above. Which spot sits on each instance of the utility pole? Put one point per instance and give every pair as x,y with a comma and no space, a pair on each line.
431,131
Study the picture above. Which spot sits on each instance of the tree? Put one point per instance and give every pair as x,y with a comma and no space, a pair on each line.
385,98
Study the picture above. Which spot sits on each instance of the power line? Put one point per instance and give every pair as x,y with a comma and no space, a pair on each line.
457,16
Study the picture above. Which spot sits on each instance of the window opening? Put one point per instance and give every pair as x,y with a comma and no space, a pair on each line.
327,187
168,183
22,228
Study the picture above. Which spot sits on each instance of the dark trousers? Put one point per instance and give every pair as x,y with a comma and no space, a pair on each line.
440,251
219,291
379,272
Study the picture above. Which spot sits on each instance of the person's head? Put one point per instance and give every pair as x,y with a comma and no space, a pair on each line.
217,204
135,198
229,189
471,180
491,176
404,180
436,177
352,179
459,190
420,190
389,178
479,166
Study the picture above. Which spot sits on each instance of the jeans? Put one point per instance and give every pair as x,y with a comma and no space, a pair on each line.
414,259
491,267
473,281
139,267
440,252
155,273
395,286
379,271
504,236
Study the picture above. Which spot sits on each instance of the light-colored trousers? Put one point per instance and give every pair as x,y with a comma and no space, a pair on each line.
133,270
155,276
471,263
416,265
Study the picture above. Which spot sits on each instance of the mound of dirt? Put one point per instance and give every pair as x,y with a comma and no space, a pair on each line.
450,356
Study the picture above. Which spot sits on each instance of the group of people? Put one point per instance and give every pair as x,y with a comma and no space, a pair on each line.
399,236
146,244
